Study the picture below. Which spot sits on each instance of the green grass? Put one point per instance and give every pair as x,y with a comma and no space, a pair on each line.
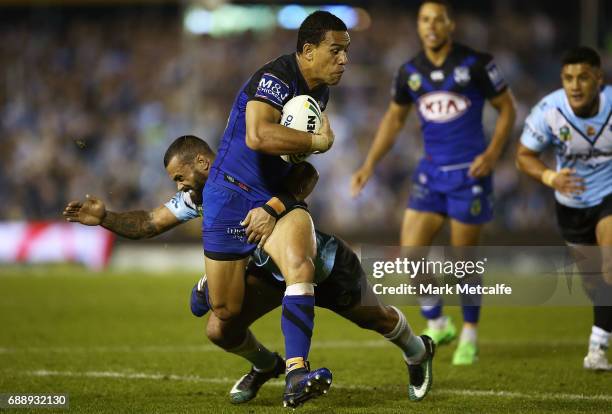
122,343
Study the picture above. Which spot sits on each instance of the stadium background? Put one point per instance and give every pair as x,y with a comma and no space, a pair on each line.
93,91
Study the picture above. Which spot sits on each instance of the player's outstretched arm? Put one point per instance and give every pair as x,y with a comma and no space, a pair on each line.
564,180
484,163
131,224
388,130
265,134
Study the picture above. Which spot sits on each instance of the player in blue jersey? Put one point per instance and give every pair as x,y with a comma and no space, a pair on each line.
341,283
248,171
576,122
448,83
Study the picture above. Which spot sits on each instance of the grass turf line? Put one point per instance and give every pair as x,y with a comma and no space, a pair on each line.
130,323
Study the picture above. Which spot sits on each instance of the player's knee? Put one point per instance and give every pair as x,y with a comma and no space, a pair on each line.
300,269
227,311
214,330
223,333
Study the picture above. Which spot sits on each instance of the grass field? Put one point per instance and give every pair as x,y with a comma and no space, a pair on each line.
119,343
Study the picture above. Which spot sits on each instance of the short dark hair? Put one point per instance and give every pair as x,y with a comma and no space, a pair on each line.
313,28
447,5
186,146
581,54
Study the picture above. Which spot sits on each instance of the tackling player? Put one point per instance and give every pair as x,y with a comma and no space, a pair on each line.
448,83
575,121
340,278
249,171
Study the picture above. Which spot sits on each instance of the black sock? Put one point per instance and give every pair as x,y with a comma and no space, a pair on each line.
602,317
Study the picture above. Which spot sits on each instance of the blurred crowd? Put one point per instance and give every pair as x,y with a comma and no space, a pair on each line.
89,104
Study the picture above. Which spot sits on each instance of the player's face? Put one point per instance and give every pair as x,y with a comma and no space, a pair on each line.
190,177
330,56
434,26
582,83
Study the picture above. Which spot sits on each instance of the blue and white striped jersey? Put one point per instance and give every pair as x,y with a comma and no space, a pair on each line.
584,144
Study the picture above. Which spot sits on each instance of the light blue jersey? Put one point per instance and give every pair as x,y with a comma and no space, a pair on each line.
183,207
327,245
584,144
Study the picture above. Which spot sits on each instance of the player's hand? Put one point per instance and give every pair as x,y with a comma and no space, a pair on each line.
360,179
482,165
567,183
259,225
90,212
324,139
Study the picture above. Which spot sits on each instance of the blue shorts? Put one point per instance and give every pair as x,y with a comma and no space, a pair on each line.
224,208
450,191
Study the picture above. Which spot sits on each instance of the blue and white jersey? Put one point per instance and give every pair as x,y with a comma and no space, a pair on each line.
183,207
449,101
584,144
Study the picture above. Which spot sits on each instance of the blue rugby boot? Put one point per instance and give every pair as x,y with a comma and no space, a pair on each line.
199,298
303,385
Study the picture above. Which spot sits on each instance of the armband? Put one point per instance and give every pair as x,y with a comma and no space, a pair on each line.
268,209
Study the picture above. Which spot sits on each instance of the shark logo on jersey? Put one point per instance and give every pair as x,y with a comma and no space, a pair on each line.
442,106
565,133
462,75
437,75
414,82
272,89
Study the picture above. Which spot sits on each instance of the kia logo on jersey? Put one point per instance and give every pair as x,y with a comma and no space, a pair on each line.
442,106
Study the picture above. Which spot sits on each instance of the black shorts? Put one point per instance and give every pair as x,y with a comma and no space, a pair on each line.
342,288
578,224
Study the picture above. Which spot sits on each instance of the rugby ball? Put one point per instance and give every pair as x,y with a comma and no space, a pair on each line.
302,113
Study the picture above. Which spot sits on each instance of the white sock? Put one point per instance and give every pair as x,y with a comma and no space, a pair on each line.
253,351
469,334
406,340
438,324
599,338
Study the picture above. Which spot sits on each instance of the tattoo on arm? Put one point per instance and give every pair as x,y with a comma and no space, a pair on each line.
132,224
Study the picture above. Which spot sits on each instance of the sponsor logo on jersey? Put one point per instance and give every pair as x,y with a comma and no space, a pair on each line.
565,133
591,130
442,106
236,233
272,89
461,75
586,156
437,75
495,76
414,82
476,207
